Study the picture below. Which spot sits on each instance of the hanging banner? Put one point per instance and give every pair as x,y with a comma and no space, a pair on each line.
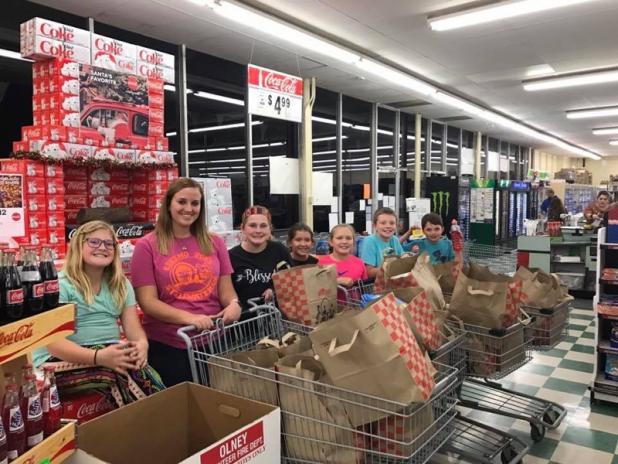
274,94
12,205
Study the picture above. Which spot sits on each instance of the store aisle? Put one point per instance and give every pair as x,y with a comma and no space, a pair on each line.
587,435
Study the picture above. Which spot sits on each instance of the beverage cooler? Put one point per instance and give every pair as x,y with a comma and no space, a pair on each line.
503,210
518,208
536,195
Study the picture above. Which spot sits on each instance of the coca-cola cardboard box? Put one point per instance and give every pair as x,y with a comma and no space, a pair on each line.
155,72
37,220
54,186
59,251
146,201
145,214
154,157
121,155
55,220
63,102
43,48
54,30
108,201
154,57
36,203
38,236
55,202
155,187
54,171
85,406
162,144
156,100
61,150
148,175
156,86
36,186
142,432
105,174
75,201
108,188
56,236
51,133
75,173
113,54
76,187
27,168
70,215
172,174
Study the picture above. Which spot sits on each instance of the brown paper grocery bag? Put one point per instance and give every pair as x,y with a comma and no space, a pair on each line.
315,425
374,352
307,294
395,266
446,274
249,374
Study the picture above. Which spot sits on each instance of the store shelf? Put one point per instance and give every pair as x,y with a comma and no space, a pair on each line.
555,261
608,282
604,346
21,337
55,449
609,246
607,385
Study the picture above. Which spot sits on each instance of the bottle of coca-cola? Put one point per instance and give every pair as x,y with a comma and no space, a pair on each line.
50,279
12,417
33,413
51,403
3,445
13,295
19,260
2,272
26,370
31,281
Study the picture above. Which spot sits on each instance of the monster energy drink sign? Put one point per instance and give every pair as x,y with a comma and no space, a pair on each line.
443,193
440,202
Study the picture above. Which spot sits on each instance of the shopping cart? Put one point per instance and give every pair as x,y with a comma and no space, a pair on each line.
551,324
498,259
383,431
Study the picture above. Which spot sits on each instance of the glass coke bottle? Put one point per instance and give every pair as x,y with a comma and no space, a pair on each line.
13,295
50,279
31,281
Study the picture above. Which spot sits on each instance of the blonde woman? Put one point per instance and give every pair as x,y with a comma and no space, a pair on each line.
95,356
181,274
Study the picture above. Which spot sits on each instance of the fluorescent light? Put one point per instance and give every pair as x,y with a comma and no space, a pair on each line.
394,76
326,139
539,70
14,55
592,112
495,12
460,104
197,162
605,131
221,98
326,152
281,31
171,88
613,142
572,80
223,127
197,151
171,134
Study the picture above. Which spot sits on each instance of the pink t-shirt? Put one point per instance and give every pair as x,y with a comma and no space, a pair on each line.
352,267
185,279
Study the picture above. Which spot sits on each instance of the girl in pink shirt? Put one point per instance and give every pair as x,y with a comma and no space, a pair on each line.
350,269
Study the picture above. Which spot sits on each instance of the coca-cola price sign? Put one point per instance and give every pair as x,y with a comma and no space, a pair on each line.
12,223
274,94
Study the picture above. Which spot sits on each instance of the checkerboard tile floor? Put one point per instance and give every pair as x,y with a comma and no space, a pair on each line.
588,434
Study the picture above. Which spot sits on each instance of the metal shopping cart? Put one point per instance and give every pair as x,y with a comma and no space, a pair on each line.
498,259
551,324
383,431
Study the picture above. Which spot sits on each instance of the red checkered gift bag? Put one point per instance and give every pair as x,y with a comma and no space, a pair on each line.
424,322
374,352
307,294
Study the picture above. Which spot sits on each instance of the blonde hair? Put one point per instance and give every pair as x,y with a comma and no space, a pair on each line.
164,231
331,234
73,267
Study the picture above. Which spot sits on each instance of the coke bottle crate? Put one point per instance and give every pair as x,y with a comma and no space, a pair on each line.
21,337
54,449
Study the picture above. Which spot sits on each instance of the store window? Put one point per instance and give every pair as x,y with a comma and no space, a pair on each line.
324,148
437,155
356,167
493,159
452,151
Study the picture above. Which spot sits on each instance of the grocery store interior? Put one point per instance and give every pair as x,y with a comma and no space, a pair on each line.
483,112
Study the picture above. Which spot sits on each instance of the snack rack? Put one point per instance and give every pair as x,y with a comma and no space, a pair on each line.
378,431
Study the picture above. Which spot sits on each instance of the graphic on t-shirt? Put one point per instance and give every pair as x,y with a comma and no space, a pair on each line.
191,276
254,275
439,257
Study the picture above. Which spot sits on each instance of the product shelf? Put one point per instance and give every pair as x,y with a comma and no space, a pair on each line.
54,449
604,346
21,337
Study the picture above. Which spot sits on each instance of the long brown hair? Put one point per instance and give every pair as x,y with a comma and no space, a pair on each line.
73,267
164,231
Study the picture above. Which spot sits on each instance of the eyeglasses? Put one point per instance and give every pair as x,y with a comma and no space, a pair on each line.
95,243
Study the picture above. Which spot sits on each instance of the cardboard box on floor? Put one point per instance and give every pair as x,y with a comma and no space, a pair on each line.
188,424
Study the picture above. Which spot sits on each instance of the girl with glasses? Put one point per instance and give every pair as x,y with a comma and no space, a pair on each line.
181,274
95,356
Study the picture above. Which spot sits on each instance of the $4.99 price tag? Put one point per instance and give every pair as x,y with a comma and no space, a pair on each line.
274,94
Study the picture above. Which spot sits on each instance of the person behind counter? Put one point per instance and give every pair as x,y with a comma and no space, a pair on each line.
597,210
545,205
556,209
181,274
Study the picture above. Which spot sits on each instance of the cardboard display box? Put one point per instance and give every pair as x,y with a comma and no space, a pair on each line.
188,424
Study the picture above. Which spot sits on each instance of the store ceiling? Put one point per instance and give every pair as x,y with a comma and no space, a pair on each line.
483,63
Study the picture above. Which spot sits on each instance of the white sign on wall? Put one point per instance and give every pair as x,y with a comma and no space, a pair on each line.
218,199
274,94
467,162
322,188
493,161
283,175
12,222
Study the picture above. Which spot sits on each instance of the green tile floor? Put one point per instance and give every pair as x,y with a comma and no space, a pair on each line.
588,434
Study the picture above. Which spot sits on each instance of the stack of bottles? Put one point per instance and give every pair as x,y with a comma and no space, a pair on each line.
28,285
28,415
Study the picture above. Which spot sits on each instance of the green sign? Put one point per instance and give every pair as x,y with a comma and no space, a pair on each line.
482,183
536,174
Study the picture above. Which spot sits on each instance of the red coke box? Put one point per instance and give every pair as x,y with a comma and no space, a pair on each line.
55,202
144,143
156,100
39,236
60,101
162,144
27,168
37,220
36,203
146,201
155,129
76,187
108,187
156,86
62,150
59,251
36,101
60,117
62,67
55,220
53,133
70,215
147,175
172,174
36,118
105,174
152,71
145,214
21,146
56,236
75,173
156,116
61,85
155,187
85,406
54,171
35,186
108,201
76,201
54,186
124,155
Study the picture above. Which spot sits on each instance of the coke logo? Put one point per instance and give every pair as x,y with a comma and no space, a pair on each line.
38,290
54,32
52,286
79,152
225,210
14,297
140,201
151,72
130,232
150,57
223,183
22,333
49,48
90,409
69,53
16,216
280,83
110,47
75,186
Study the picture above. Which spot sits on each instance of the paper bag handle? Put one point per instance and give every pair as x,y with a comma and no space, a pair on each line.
288,338
334,350
472,291
269,342
282,265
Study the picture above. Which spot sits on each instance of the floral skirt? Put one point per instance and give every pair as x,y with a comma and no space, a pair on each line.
74,378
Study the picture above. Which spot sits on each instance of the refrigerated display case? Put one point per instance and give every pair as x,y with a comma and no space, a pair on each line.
518,209
464,206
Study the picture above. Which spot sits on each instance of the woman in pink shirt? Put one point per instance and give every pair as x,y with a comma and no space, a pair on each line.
181,274
350,269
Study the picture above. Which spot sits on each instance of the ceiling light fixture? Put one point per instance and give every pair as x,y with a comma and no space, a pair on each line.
605,131
495,12
221,98
613,142
560,81
593,112
394,76
223,127
14,55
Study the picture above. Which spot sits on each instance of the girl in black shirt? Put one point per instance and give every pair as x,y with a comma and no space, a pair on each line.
300,241
256,258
